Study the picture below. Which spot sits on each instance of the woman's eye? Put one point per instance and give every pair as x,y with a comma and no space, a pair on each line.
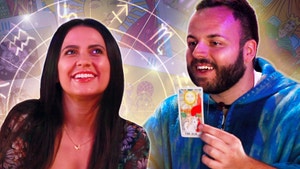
70,52
96,51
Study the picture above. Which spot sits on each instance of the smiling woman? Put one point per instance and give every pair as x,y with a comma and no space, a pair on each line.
76,122
83,65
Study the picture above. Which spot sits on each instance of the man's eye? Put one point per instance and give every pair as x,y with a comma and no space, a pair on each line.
216,43
192,44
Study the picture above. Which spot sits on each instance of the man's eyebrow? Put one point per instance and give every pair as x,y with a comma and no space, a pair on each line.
191,36
208,36
215,36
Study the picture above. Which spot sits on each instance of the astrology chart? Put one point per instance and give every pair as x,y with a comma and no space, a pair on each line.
152,39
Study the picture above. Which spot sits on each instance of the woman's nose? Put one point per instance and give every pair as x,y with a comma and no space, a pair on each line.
84,60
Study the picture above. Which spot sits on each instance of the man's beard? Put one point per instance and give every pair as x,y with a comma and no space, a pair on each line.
226,76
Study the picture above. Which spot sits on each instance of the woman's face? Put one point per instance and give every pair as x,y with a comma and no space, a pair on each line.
83,65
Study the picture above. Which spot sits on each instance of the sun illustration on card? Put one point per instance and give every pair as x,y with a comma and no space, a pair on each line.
190,97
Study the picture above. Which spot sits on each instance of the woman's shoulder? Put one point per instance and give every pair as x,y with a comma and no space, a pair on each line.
135,135
133,129
135,146
17,115
14,132
26,106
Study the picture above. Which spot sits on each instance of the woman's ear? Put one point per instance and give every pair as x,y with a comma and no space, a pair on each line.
250,49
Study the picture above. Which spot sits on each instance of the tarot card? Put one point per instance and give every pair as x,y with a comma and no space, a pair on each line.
190,107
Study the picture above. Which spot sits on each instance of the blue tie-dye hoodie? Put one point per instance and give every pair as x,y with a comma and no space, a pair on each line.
266,119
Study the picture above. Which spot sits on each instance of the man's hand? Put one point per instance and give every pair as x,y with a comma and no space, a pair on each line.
225,151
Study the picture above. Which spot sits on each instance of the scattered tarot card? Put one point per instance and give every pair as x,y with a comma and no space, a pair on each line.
190,105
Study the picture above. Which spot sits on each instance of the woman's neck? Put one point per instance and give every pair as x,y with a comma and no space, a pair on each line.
80,112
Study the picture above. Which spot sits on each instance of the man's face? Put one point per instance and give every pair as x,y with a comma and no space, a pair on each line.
214,57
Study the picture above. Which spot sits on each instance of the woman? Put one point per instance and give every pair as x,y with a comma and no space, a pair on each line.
75,123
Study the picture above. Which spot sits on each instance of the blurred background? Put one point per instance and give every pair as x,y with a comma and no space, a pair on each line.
151,34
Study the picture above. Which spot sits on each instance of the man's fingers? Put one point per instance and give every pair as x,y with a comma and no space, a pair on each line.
218,133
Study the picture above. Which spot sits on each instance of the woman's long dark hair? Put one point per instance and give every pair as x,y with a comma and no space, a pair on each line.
109,125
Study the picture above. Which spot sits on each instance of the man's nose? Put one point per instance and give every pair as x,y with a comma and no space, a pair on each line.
201,50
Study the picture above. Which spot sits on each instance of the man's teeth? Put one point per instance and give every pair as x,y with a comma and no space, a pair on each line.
204,68
84,75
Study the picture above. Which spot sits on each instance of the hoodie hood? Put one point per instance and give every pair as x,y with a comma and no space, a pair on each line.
270,83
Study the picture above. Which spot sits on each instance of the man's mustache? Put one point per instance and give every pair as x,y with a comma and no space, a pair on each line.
203,61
